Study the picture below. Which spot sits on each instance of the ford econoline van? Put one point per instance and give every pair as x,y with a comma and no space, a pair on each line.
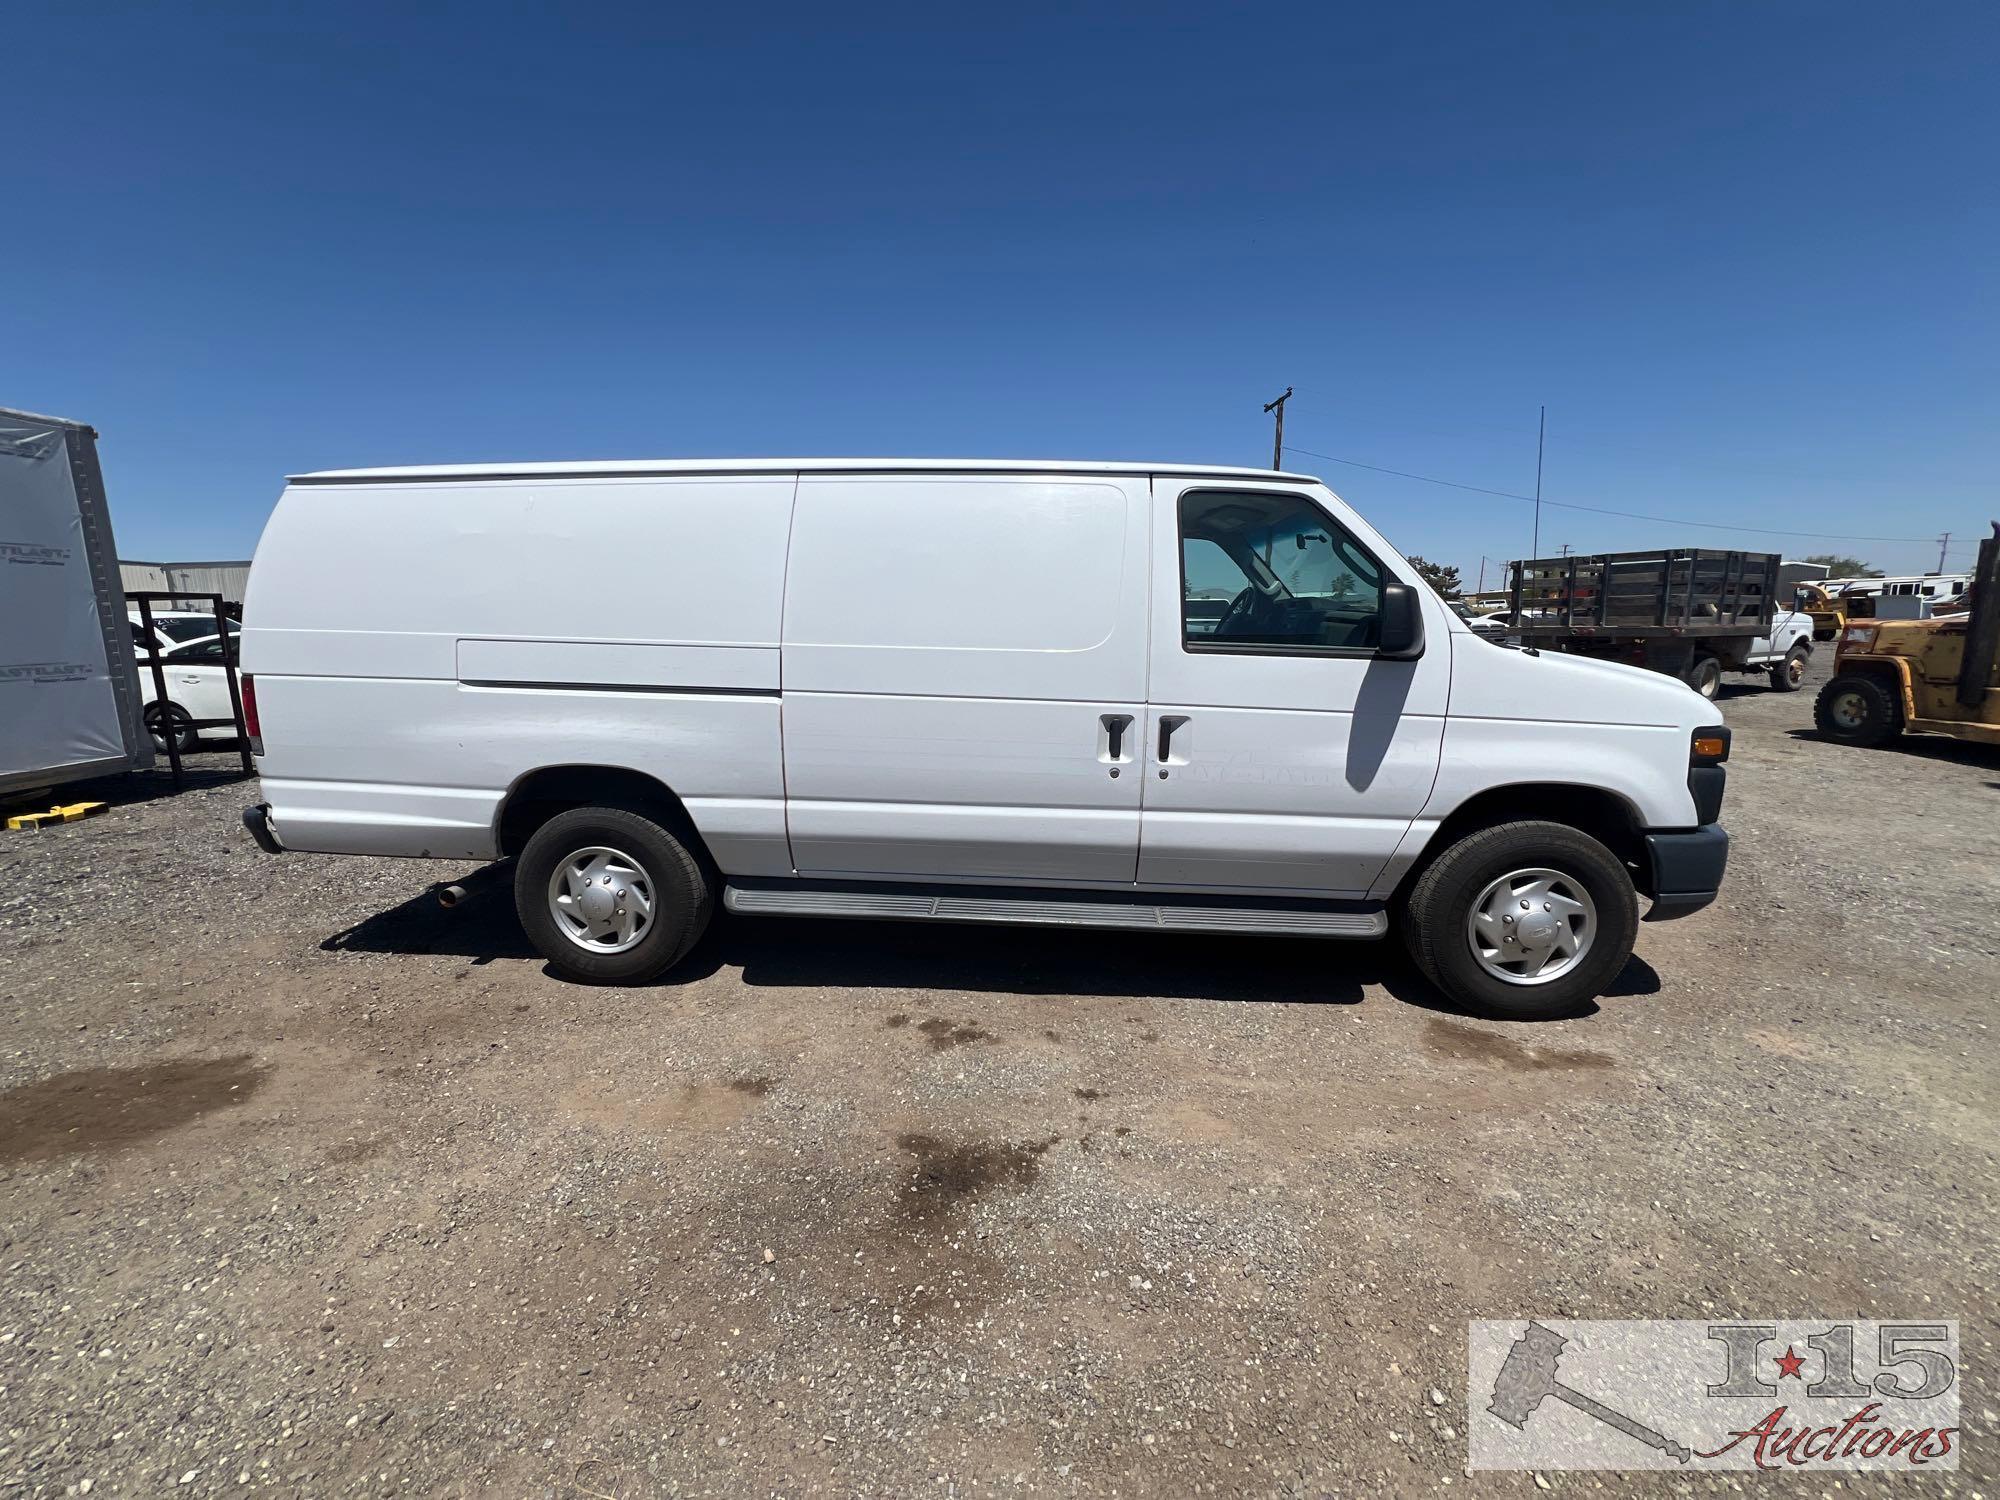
1117,695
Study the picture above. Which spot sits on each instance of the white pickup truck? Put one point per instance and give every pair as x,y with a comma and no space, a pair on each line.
1781,655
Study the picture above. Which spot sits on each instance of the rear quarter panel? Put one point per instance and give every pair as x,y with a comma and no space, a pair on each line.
419,647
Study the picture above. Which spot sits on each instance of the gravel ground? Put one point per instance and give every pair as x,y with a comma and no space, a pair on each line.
309,1185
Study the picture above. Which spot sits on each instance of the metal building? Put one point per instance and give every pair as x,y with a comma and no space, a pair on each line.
224,578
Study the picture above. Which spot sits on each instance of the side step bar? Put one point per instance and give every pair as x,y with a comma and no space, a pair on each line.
1057,908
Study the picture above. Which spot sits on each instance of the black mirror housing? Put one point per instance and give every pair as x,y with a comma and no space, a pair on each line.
1402,623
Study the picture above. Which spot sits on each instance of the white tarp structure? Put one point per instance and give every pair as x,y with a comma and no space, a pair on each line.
68,693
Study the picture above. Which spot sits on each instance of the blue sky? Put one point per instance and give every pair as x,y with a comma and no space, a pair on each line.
1744,252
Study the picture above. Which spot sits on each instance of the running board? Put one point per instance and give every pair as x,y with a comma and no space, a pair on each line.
1057,909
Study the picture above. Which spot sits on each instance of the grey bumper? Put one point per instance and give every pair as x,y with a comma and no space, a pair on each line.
1687,870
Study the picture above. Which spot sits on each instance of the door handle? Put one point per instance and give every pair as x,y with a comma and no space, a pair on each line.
1168,724
1112,745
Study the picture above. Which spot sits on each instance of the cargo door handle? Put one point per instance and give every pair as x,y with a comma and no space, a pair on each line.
1168,724
1111,746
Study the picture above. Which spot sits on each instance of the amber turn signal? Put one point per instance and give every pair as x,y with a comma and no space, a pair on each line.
1711,746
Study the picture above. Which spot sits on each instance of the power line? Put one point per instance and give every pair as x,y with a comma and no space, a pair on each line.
1630,515
1405,474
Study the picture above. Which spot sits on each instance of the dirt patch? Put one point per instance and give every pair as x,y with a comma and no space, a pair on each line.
1089,1095
690,1107
352,1153
97,1109
1464,1044
949,1173
945,1035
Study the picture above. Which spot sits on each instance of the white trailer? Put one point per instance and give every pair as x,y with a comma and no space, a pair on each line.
69,694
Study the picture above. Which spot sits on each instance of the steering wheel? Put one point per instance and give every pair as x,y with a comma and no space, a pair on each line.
1241,614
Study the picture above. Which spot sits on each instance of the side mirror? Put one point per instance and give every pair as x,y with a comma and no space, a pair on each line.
1402,623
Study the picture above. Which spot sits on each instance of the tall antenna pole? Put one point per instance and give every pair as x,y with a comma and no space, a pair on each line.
1944,545
1541,433
1278,440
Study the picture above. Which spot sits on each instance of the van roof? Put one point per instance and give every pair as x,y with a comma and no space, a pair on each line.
634,467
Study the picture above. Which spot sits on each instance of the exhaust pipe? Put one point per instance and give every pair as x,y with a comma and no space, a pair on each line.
460,891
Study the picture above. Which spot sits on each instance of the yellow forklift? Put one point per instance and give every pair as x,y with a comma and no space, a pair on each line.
1922,676
1828,610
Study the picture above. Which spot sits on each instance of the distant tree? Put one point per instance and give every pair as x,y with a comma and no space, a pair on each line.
1445,580
1843,567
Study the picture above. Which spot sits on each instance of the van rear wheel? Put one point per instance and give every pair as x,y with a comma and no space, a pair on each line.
1524,921
609,896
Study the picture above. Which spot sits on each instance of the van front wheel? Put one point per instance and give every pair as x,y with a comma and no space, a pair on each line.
1524,921
609,896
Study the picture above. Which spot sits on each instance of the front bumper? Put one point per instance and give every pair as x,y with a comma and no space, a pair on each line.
1687,869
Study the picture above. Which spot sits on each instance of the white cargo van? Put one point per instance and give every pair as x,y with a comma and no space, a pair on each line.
1118,695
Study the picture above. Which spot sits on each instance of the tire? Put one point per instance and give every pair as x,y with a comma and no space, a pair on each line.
1705,676
1438,916
176,718
648,858
1789,675
1854,709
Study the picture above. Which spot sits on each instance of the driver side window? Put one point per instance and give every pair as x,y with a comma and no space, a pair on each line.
1272,572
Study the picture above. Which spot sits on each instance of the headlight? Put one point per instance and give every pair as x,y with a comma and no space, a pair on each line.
1862,636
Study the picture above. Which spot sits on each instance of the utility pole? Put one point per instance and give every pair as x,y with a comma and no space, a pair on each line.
1565,549
1944,545
1278,442
1541,433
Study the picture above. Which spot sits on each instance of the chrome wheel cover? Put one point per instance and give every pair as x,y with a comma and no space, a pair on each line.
1531,926
602,899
